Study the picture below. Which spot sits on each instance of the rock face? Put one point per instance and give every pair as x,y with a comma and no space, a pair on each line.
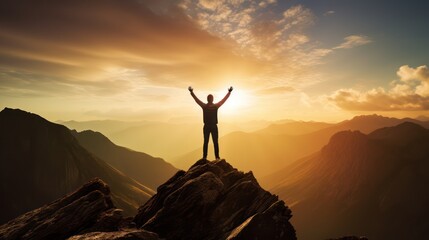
64,217
118,235
212,200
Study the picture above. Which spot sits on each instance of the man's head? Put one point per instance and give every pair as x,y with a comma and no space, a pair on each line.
210,98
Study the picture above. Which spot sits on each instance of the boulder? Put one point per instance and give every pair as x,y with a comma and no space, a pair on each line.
64,217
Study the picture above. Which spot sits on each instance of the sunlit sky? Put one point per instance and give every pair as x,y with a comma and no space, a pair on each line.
323,60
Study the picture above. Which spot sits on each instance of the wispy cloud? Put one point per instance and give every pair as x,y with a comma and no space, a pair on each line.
275,90
327,13
409,93
131,51
353,41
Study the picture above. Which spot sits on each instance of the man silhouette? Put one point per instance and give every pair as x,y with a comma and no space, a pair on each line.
210,120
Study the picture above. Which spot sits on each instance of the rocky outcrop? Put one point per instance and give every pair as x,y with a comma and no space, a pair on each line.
212,200
88,207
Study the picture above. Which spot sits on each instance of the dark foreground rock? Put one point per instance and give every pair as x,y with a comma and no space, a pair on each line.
90,208
349,238
212,200
135,234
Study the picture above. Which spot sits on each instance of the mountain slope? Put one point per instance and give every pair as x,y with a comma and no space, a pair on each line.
375,185
294,128
41,161
266,152
142,167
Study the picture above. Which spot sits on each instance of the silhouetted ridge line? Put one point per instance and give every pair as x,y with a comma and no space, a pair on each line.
148,170
362,184
43,161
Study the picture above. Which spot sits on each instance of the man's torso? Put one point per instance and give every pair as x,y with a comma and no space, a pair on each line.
210,114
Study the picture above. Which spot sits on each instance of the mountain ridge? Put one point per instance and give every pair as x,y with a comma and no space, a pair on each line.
269,152
358,182
140,166
41,161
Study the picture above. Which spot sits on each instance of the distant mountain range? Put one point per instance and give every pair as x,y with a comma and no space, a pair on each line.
161,139
276,146
41,161
364,176
142,167
374,185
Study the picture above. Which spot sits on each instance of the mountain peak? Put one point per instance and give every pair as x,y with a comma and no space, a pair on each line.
16,112
92,136
347,137
213,200
373,118
407,126
400,134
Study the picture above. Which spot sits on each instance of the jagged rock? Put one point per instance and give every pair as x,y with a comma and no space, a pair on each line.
212,200
135,234
272,224
80,210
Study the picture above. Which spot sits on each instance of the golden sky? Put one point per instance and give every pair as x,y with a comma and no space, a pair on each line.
131,60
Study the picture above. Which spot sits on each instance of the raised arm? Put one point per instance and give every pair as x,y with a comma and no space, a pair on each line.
224,98
198,101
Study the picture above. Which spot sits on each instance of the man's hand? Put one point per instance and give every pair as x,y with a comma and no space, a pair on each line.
190,89
230,89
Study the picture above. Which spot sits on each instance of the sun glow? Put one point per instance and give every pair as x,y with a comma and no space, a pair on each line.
238,101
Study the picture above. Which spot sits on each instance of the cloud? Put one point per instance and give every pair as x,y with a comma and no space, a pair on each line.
76,43
353,41
273,35
410,93
275,90
327,13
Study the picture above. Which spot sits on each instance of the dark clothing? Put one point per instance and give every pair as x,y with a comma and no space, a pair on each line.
210,122
210,114
210,129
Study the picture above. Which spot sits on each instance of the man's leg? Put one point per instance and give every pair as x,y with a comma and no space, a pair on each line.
206,132
215,136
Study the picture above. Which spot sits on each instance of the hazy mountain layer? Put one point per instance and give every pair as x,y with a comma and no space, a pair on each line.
161,139
142,167
266,152
373,185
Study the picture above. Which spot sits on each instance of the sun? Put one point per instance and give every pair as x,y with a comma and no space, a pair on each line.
237,101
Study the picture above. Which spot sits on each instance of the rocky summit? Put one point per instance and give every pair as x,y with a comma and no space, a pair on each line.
86,208
213,200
